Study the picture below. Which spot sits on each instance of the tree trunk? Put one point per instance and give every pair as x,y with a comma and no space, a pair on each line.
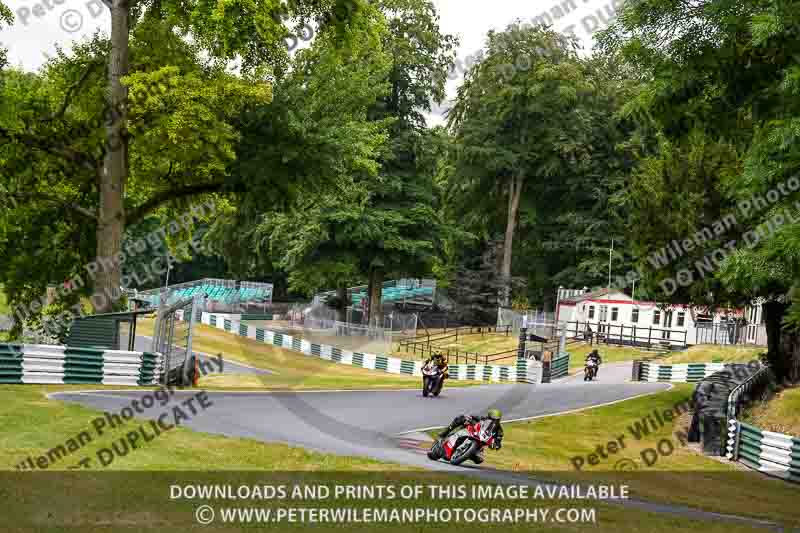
111,219
783,347
341,310
375,295
514,193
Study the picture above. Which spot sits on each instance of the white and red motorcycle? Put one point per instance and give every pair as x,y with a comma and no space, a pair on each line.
432,380
466,443
590,370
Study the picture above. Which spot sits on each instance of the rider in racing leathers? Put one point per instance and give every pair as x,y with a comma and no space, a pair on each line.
595,357
439,360
462,420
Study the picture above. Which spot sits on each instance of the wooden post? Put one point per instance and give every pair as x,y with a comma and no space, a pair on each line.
650,337
523,336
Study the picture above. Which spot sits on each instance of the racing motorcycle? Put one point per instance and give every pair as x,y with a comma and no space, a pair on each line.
589,370
466,443
432,380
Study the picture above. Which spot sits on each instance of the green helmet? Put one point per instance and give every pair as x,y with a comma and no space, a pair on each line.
495,414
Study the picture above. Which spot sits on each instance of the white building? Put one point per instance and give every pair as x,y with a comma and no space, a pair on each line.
614,315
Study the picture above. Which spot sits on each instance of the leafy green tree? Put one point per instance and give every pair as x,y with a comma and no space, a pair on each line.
313,137
723,90
53,155
382,218
7,17
516,124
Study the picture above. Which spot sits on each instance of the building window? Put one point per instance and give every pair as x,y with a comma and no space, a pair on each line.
603,313
681,319
656,317
635,315
591,312
614,314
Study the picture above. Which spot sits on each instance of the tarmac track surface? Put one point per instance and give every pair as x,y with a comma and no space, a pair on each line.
389,425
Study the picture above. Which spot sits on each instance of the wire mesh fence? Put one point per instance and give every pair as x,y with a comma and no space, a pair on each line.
172,336
517,319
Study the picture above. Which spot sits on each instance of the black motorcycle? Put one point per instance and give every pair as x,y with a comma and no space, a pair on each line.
432,380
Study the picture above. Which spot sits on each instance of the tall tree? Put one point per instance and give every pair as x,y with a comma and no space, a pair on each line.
516,123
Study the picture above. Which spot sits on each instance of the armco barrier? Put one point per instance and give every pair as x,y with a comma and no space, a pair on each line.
774,454
44,364
682,373
525,371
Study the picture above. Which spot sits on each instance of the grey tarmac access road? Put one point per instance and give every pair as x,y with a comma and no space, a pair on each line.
387,425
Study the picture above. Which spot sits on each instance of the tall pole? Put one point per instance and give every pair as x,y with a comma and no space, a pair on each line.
610,251
633,291
558,301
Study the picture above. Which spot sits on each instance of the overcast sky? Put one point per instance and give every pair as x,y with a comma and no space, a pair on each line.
42,25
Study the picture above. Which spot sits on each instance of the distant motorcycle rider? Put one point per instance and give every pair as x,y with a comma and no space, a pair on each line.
462,420
594,356
438,359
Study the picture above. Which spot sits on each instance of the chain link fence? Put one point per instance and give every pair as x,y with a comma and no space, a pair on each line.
172,337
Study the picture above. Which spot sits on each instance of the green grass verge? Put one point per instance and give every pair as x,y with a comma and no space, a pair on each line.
547,448
709,353
293,370
781,414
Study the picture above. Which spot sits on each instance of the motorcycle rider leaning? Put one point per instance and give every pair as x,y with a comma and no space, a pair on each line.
595,357
438,359
462,420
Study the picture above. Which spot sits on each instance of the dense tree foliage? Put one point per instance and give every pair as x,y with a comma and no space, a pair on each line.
723,89
324,174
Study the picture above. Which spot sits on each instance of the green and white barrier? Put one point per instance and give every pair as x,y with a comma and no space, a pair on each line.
683,373
772,453
525,371
559,366
45,364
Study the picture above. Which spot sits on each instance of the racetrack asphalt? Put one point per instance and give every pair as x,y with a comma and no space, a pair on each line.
389,425
367,423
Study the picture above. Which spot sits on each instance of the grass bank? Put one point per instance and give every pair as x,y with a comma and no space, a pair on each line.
293,370
781,414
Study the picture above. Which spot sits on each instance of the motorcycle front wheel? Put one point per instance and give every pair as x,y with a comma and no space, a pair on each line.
463,452
425,386
435,453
